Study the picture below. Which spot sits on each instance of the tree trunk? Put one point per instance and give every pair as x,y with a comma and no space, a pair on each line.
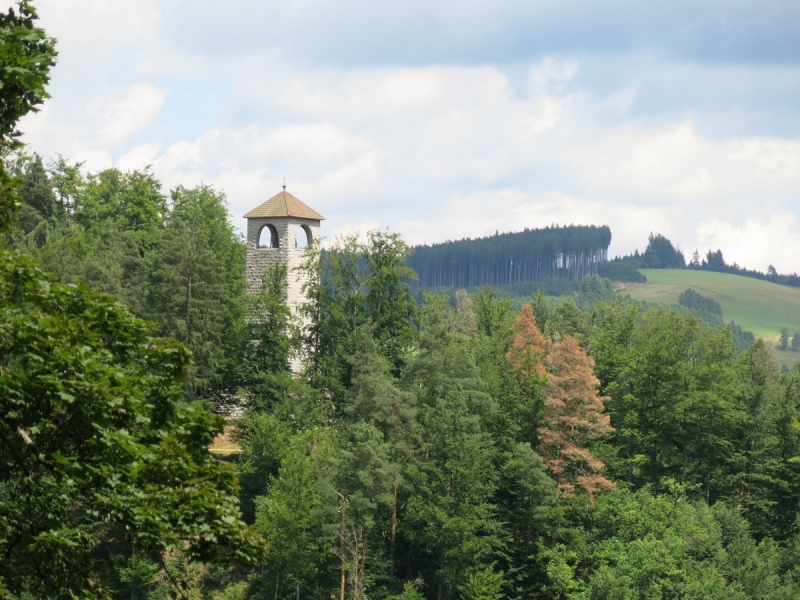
394,530
361,568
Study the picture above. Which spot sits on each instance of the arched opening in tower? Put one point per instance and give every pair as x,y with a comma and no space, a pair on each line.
303,238
268,237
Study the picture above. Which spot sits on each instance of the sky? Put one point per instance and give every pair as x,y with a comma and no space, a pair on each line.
447,119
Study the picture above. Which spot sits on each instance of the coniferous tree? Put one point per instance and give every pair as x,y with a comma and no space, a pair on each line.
573,416
389,303
37,192
291,517
531,255
376,399
706,308
452,520
356,283
661,254
197,286
363,483
527,356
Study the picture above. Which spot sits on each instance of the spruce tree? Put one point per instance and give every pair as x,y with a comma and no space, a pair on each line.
573,416
451,515
197,287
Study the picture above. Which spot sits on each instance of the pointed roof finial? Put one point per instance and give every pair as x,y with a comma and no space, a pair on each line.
284,182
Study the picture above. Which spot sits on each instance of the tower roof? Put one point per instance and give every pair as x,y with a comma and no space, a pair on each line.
284,204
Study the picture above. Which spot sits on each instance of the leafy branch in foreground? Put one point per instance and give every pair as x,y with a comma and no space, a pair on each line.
26,56
98,451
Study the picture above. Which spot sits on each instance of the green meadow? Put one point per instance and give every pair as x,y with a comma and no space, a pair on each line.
758,306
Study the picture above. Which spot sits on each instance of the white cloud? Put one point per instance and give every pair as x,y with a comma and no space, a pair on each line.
756,242
95,27
435,149
620,102
414,149
124,113
138,157
554,70
322,160
101,129
776,160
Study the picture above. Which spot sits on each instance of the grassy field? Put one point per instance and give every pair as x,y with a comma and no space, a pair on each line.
224,445
758,306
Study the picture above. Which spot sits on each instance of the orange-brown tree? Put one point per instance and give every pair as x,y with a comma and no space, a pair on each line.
526,357
529,347
573,415
561,376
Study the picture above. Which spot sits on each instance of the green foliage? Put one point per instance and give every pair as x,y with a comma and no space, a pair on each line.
758,306
451,513
527,505
554,252
235,591
139,575
353,284
411,449
646,546
784,338
741,339
483,583
178,264
410,592
26,57
196,287
133,200
36,191
542,311
661,254
622,269
714,261
389,303
568,320
673,398
97,446
708,309
270,341
291,519
264,439
105,257
594,289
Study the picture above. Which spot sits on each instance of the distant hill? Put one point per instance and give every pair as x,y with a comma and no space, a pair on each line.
756,305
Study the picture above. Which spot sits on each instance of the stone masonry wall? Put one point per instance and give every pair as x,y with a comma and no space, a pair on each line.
260,259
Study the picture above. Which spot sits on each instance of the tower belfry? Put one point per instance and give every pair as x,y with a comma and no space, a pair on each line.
278,231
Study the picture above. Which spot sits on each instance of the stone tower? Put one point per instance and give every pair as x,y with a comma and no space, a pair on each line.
278,231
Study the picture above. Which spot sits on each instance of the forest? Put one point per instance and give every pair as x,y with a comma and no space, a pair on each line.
598,448
553,252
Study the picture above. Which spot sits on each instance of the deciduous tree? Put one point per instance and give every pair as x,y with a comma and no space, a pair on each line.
97,446
26,57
